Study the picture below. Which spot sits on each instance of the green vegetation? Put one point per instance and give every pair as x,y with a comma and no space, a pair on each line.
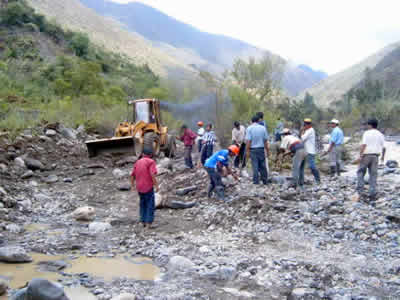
50,74
366,100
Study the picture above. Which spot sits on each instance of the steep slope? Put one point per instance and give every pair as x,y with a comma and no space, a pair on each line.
333,87
207,51
387,71
110,34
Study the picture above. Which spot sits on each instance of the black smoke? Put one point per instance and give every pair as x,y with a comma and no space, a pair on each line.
203,108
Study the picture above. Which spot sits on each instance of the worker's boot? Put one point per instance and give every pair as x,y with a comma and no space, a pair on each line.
338,170
210,190
220,192
333,171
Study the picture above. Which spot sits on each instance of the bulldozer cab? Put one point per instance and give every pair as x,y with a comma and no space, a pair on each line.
145,129
147,111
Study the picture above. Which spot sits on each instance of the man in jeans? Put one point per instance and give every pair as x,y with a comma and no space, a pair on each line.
188,138
143,179
372,145
238,135
209,140
256,142
335,148
219,159
308,138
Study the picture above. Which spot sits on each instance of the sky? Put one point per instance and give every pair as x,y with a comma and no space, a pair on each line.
328,35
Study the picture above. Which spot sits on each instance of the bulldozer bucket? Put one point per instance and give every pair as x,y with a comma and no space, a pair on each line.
123,145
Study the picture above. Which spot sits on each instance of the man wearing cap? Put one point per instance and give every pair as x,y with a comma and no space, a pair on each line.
200,133
308,138
335,147
292,145
219,159
256,142
372,145
238,135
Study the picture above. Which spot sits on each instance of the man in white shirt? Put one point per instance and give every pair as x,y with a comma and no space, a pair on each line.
372,145
238,136
308,137
200,133
293,145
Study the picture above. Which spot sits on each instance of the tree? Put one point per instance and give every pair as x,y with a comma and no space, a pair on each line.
80,44
259,78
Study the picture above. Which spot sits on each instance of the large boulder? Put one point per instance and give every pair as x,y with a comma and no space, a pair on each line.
125,296
303,294
180,263
14,254
51,132
97,227
41,289
19,162
33,164
392,164
85,213
119,174
67,132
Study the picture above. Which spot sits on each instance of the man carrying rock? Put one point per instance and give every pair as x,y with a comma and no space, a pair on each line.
308,138
292,145
335,148
144,173
256,142
372,145
188,137
220,159
238,135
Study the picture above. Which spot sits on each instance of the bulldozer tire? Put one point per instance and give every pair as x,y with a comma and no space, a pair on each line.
170,151
152,140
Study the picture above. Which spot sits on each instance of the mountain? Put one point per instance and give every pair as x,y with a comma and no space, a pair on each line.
387,71
334,87
192,46
111,35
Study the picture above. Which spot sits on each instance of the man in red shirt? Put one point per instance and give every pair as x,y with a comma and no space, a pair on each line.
144,173
188,139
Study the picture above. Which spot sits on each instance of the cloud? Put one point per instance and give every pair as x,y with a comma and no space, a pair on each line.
327,35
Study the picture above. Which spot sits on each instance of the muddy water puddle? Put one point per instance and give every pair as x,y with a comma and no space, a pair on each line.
109,268
139,268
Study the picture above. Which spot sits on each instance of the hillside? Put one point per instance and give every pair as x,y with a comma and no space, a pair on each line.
56,75
191,46
106,32
387,71
332,88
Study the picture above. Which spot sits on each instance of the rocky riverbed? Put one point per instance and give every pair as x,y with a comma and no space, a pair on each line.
269,242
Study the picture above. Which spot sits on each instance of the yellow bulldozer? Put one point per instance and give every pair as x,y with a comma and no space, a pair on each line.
146,130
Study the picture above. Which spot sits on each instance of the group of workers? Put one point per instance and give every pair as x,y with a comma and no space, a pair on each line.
253,143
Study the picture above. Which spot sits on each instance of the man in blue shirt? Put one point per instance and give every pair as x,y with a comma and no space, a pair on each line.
219,159
256,142
335,148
